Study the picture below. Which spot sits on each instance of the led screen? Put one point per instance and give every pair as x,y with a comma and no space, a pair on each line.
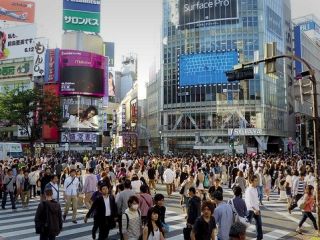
206,68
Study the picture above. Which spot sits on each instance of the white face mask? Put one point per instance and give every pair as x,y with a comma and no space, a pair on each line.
135,206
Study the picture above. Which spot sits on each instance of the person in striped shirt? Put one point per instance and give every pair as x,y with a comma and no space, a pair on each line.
298,188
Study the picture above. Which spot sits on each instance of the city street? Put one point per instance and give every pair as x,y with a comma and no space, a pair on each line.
277,222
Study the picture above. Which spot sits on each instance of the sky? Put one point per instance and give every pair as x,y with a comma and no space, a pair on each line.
134,26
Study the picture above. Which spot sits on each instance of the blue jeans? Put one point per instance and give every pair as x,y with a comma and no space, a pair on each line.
260,193
258,221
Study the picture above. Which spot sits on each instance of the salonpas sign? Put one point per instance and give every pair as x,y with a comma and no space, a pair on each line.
81,21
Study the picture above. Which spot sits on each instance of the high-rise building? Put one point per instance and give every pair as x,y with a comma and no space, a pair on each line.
200,109
306,45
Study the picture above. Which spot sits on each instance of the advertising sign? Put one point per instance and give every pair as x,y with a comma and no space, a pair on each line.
15,69
134,112
78,137
111,82
17,42
206,68
82,5
81,21
17,11
82,73
52,65
123,117
40,48
81,113
245,132
201,13
109,52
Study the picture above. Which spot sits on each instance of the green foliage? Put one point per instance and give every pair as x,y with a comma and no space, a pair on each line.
30,109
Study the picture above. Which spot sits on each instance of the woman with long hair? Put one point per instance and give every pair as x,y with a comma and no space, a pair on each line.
153,230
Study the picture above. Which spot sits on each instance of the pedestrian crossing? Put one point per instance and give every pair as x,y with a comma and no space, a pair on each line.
19,224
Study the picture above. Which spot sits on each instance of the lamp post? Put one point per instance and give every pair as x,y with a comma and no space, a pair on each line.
160,133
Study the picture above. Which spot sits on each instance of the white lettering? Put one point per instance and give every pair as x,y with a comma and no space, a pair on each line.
210,4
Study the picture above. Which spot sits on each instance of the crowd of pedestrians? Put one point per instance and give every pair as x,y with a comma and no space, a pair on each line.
122,191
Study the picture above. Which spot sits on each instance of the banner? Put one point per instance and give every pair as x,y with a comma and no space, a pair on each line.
82,73
81,21
40,47
17,42
202,13
109,52
52,65
82,5
17,11
15,69
78,137
81,113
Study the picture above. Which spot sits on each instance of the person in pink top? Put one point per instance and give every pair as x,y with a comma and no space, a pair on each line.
307,210
145,203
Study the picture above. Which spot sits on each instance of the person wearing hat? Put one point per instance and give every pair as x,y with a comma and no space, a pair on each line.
105,212
71,185
48,218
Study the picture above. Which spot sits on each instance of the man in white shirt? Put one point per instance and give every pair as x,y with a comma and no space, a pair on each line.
252,203
168,177
71,185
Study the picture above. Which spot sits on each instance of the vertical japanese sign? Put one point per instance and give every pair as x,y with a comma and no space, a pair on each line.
123,117
52,65
40,47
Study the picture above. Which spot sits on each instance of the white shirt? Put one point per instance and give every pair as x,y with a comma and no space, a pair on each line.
251,198
310,180
168,175
107,204
71,187
55,191
136,185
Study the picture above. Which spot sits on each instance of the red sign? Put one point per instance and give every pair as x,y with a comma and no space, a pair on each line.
17,11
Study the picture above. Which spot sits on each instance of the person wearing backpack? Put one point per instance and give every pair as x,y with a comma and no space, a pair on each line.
48,218
8,188
71,185
131,220
25,189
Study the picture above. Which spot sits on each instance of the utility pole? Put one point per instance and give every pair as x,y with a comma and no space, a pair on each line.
243,69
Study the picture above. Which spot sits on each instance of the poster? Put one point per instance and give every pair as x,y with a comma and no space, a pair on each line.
17,11
40,48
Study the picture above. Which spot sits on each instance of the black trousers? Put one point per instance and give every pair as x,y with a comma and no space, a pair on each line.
45,236
94,228
294,203
306,215
12,199
33,192
104,228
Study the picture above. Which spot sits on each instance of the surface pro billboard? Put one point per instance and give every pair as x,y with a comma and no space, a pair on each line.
82,73
202,13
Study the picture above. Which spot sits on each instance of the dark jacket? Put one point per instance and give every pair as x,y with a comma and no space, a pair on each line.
48,218
194,209
100,209
44,181
162,212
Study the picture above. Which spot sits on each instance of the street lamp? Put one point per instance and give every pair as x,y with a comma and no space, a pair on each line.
160,133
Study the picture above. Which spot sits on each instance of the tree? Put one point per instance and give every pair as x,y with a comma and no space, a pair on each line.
30,109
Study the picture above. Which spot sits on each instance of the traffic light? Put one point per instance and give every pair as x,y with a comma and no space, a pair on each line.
270,51
231,143
240,74
306,89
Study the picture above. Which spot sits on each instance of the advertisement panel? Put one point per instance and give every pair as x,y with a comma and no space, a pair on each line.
52,65
17,11
78,137
82,73
82,5
134,112
15,69
81,113
81,21
40,48
109,52
17,42
206,68
111,82
202,13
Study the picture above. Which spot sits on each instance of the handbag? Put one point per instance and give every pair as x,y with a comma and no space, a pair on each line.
237,217
187,233
182,190
301,203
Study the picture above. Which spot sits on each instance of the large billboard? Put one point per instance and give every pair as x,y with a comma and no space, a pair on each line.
17,11
206,68
81,113
201,13
82,73
17,42
81,21
15,69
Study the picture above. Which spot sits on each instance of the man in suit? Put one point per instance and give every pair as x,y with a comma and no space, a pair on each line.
105,212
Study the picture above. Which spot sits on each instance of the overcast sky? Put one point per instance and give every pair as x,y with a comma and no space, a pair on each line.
134,25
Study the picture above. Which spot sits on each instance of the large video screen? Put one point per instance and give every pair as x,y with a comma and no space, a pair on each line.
206,68
199,13
82,80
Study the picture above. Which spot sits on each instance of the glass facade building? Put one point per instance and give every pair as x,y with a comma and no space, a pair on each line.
201,39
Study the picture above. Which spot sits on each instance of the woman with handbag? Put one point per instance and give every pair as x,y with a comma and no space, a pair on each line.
306,205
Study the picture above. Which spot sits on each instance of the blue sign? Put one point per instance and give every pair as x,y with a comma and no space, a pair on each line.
297,48
206,68
82,5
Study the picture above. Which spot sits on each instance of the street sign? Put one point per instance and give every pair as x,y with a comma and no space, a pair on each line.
240,74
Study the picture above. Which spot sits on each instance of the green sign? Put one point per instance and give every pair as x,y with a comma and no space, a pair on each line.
81,21
14,69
